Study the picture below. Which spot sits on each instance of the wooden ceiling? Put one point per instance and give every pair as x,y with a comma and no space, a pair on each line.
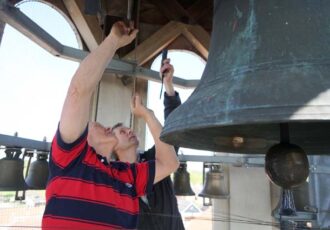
175,24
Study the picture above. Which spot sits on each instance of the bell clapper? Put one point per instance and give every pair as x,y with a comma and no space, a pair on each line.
287,166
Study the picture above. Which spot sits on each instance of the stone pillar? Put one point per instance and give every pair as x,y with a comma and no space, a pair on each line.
275,194
113,103
250,201
221,215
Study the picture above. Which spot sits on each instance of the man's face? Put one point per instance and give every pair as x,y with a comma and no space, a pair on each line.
100,135
126,138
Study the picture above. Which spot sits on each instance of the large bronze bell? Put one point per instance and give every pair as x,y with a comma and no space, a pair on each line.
182,181
215,186
268,64
11,171
38,173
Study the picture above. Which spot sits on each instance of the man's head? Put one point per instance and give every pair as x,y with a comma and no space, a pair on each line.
101,138
127,142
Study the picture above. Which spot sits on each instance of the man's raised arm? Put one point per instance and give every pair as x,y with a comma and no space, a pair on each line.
166,159
76,108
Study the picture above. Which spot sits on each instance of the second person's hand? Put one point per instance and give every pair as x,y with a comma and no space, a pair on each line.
138,108
167,71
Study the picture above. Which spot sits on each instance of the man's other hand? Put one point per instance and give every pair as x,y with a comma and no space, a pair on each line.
138,108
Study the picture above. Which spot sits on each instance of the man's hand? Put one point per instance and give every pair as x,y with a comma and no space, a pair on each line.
167,70
138,108
122,34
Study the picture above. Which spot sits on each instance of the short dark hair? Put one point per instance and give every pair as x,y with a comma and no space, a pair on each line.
117,125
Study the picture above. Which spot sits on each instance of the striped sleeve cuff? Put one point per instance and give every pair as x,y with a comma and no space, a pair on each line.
69,146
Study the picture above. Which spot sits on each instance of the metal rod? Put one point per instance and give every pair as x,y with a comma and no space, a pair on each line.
18,142
284,133
130,5
239,159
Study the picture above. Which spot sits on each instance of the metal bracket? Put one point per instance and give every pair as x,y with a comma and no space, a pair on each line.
301,216
13,141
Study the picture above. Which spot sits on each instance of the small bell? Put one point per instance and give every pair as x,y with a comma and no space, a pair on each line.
215,186
11,171
182,181
38,173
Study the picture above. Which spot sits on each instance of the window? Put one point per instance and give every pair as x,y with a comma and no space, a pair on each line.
33,82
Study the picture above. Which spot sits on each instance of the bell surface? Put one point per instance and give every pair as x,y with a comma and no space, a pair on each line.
268,64
11,171
38,173
215,186
181,181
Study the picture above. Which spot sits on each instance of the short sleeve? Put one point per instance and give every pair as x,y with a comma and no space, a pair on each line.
149,154
63,153
171,103
144,177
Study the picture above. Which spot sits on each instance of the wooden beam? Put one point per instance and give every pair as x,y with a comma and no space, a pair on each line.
87,25
58,5
152,46
155,43
199,38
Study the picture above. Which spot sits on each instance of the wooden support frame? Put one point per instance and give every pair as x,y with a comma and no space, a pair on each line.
87,25
152,46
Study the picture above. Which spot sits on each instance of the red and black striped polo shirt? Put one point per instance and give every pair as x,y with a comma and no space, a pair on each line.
85,193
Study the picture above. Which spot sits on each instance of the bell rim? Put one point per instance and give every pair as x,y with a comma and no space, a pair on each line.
214,196
222,137
185,194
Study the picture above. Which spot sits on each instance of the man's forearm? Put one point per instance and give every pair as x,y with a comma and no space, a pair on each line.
154,126
165,154
169,88
75,112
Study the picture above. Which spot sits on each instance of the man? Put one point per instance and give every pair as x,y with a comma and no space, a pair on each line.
159,209
83,191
